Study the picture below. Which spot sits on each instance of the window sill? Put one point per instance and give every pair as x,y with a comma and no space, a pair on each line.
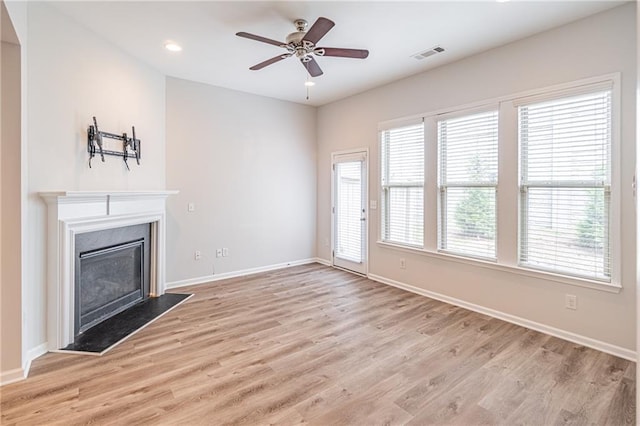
549,276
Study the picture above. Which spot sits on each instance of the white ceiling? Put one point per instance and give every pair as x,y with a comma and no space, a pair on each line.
7,32
391,31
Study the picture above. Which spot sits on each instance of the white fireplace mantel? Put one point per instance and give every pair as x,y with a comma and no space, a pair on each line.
75,212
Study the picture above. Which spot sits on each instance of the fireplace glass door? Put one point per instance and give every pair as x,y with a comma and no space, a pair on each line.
109,281
111,273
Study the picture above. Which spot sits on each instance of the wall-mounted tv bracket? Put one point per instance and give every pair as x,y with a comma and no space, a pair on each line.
95,144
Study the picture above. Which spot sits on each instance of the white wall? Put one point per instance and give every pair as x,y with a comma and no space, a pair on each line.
249,165
72,75
597,45
17,11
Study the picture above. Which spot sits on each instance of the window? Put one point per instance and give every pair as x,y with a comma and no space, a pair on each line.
565,184
468,178
528,182
402,181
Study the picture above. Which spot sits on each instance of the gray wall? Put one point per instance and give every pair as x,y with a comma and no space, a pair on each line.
248,163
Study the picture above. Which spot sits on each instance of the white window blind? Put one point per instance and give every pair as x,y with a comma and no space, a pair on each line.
565,185
349,211
468,178
402,181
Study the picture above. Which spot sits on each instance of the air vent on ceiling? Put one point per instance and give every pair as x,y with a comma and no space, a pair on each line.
420,56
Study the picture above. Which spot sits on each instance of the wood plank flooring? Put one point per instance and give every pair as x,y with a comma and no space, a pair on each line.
315,345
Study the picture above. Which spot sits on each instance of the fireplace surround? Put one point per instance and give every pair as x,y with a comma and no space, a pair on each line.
72,213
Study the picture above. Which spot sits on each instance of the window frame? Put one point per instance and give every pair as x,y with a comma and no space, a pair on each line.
606,186
507,200
385,189
442,186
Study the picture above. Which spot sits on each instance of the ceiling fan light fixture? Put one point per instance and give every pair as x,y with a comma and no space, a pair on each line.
172,46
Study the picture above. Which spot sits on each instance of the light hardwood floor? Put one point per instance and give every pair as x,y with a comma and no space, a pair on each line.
316,345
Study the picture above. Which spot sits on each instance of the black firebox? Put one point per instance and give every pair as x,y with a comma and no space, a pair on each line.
111,273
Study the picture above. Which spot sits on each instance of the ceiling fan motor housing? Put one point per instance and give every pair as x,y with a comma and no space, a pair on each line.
301,31
295,43
296,37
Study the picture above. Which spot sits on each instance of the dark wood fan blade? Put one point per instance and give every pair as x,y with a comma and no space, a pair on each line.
343,53
312,67
318,30
260,38
268,62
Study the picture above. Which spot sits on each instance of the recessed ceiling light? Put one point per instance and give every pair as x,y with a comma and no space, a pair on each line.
502,1
309,83
172,46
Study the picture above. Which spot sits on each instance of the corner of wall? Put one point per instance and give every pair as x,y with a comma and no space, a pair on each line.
18,374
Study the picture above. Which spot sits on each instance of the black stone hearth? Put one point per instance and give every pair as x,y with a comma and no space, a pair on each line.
106,334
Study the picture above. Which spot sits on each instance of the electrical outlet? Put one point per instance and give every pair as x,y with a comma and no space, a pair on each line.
571,301
218,252
197,255
403,263
225,252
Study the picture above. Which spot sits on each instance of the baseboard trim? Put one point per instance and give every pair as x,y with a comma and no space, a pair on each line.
12,376
543,328
18,374
32,354
324,262
240,273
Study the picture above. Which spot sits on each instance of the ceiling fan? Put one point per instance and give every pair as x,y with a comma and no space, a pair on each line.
302,44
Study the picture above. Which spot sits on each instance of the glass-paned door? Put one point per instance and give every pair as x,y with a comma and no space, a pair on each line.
349,212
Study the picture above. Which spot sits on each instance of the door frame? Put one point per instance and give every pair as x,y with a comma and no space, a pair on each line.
334,154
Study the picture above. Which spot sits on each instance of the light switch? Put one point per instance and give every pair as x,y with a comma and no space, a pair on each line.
373,204
191,207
